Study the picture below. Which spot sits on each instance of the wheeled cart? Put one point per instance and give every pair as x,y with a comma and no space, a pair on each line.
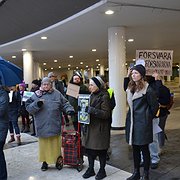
71,147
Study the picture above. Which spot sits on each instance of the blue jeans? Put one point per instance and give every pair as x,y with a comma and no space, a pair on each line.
154,149
3,170
13,122
13,125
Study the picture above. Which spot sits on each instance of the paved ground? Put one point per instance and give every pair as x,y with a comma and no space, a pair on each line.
23,165
169,166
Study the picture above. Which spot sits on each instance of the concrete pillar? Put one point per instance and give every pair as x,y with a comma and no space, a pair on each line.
91,72
168,78
117,69
28,68
101,72
40,72
36,72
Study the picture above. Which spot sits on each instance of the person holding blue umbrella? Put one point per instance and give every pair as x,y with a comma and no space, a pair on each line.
10,75
4,122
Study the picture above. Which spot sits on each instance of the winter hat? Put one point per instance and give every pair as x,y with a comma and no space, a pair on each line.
101,81
96,81
78,73
22,84
141,69
50,74
46,80
36,82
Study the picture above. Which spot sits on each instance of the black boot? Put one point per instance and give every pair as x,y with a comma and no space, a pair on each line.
101,174
44,166
89,172
135,175
145,176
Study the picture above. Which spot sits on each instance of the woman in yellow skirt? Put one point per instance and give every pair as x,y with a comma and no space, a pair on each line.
47,105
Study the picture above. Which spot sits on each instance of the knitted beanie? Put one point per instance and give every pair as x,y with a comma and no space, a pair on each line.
141,69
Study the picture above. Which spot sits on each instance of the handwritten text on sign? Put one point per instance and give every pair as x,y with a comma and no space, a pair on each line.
159,61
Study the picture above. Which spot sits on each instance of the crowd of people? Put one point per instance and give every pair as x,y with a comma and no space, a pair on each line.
50,103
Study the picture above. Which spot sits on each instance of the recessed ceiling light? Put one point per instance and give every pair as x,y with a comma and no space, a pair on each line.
134,59
43,37
44,64
59,67
94,50
52,68
55,60
81,62
130,40
109,12
13,57
97,60
87,66
97,67
99,64
45,69
69,65
23,49
77,67
126,64
69,69
70,56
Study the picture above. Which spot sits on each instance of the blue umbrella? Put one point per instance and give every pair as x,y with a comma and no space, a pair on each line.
10,74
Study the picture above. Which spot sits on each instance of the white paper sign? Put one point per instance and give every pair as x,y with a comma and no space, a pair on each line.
27,95
73,90
159,61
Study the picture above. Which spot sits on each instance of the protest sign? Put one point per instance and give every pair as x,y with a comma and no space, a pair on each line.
27,95
159,61
83,103
73,90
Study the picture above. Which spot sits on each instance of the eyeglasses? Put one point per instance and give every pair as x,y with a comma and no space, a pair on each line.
46,84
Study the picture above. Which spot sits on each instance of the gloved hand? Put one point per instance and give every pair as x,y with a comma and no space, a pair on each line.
86,109
91,110
40,103
70,113
79,108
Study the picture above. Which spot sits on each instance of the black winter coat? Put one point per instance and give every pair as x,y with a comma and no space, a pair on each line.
143,106
4,101
98,131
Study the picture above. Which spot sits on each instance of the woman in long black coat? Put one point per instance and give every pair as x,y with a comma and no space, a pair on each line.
97,138
143,106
